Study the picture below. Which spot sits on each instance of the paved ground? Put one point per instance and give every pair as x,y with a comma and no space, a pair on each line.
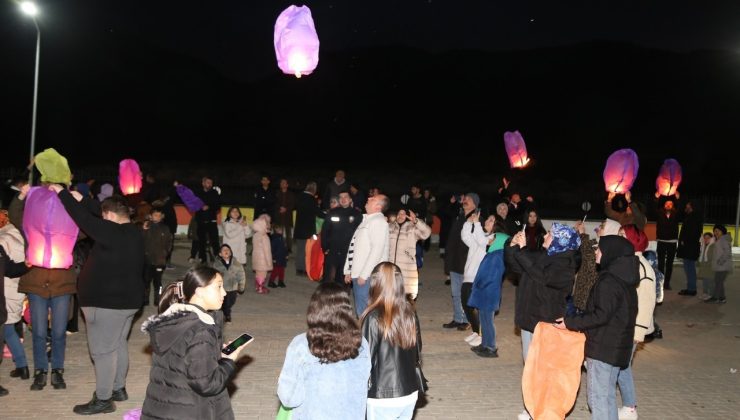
684,376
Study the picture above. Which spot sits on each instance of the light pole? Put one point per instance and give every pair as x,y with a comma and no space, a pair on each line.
30,9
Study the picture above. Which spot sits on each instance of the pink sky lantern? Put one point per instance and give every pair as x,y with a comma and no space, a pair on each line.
129,176
621,171
296,41
516,149
669,177
50,232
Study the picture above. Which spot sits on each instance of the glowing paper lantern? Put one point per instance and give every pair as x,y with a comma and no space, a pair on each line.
50,232
188,197
516,149
129,176
669,177
621,171
296,41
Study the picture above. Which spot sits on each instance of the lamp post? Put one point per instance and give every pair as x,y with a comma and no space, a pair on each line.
30,9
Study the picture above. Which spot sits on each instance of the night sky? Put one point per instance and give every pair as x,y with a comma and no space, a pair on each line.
112,70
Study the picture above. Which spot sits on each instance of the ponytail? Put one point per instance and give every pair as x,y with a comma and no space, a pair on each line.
181,291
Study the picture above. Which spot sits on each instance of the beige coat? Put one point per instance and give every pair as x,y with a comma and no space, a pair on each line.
12,241
261,252
403,251
235,235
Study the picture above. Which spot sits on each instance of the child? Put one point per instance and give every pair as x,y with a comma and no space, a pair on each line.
189,373
279,257
236,232
261,253
705,265
157,244
234,278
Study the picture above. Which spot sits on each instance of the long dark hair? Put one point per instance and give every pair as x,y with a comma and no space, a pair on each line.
200,276
396,317
228,214
333,332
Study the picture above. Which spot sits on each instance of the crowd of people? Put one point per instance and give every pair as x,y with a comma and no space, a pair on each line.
362,328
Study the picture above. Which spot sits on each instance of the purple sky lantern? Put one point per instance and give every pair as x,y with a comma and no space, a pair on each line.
296,41
50,232
669,177
516,149
621,171
188,197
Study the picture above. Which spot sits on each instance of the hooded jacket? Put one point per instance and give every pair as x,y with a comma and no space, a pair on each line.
188,377
609,319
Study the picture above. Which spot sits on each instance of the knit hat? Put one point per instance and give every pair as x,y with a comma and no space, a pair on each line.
564,238
106,190
473,196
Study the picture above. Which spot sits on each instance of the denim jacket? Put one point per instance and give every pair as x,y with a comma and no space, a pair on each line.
316,390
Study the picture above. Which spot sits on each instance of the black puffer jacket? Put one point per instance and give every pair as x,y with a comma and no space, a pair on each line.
393,372
609,320
546,281
188,377
690,236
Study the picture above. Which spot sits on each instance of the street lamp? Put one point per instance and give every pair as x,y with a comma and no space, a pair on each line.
31,10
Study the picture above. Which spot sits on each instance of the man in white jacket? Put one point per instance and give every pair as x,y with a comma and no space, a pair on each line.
368,248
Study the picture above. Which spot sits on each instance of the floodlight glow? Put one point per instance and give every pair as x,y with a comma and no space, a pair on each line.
29,8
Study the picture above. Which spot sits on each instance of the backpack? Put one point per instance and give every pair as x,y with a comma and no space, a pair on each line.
652,258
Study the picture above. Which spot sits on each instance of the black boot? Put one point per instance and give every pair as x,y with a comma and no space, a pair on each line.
95,406
3,392
281,284
39,380
57,379
119,394
21,372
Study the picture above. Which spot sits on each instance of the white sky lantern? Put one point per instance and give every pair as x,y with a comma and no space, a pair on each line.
296,41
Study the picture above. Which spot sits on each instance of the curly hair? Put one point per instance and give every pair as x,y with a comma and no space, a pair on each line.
333,332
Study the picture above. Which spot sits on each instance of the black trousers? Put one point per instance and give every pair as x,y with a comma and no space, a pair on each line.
470,312
207,232
334,268
666,254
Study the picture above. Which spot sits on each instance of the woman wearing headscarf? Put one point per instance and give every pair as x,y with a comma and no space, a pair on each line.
609,323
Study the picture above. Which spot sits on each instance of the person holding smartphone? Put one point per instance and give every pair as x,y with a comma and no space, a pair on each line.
189,372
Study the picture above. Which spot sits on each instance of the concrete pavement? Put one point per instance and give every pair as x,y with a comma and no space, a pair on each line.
686,375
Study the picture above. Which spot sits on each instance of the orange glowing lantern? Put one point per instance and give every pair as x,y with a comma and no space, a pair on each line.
621,171
296,41
669,177
516,149
50,232
129,176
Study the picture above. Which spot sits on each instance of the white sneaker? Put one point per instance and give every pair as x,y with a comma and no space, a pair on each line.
627,413
471,337
524,415
476,341
704,296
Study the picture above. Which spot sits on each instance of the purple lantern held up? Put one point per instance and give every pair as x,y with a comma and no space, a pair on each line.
516,149
669,177
50,232
188,197
129,176
621,171
296,41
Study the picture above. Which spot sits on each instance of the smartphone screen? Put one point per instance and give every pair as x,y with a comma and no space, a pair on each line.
240,341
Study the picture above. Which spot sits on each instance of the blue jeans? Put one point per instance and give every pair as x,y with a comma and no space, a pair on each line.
526,339
361,294
456,281
627,383
689,267
487,328
15,345
40,307
602,392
